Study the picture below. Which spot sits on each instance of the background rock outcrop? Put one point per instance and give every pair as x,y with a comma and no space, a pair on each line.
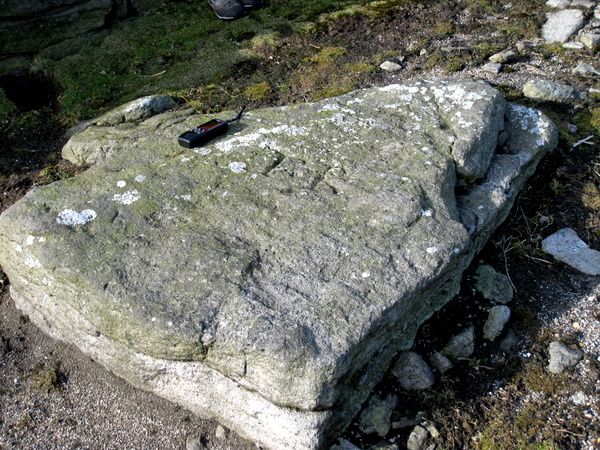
29,26
270,278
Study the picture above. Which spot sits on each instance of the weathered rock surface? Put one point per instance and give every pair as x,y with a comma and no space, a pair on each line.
31,25
550,91
566,246
269,278
561,25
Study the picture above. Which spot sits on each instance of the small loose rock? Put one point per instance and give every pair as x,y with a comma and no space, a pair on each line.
492,67
412,372
561,25
417,439
497,319
440,362
390,66
544,90
492,285
376,416
566,246
562,357
462,345
507,56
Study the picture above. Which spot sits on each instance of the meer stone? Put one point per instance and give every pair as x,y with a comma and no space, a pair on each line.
269,278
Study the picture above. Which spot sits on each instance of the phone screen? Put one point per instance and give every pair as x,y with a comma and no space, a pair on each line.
210,125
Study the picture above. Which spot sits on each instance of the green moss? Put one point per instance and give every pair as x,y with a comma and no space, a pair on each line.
6,106
327,55
259,91
46,376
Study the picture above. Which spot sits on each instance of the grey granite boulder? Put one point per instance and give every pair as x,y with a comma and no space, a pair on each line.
269,278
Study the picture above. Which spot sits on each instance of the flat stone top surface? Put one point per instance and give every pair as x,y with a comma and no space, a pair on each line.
282,254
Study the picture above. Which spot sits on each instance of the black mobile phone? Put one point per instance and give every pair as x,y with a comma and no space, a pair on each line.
203,133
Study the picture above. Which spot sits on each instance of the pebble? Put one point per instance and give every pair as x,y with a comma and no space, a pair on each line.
574,45
507,56
566,247
390,66
497,319
492,67
194,443
590,40
376,417
412,372
585,70
440,362
220,432
558,4
493,285
562,357
462,345
588,4
417,438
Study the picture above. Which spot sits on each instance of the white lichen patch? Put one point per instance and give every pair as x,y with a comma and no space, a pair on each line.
427,212
121,183
237,167
431,250
531,120
140,178
127,198
71,218
32,262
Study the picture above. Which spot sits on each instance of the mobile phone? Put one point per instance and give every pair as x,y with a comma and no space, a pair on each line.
203,133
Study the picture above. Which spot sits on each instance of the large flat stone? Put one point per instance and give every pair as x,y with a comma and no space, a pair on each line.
269,278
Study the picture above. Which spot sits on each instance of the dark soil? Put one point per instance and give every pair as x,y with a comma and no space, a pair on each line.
50,387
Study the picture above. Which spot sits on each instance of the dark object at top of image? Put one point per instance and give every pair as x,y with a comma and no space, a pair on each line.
234,9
